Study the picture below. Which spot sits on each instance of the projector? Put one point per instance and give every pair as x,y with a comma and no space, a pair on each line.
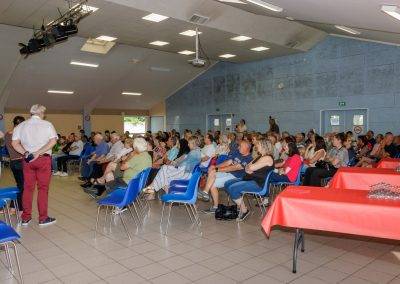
197,62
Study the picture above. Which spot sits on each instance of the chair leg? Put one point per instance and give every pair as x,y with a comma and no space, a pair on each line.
140,217
97,221
105,216
258,197
8,214
133,218
169,216
162,214
125,227
17,261
8,257
198,219
16,205
188,211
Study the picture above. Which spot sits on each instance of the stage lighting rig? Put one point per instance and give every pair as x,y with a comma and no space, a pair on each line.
58,30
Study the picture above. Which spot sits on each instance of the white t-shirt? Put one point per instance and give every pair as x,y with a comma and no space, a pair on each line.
78,150
115,149
209,151
34,133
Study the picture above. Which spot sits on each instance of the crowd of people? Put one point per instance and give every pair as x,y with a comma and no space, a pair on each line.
236,161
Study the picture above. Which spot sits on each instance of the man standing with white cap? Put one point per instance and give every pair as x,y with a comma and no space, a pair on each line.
34,138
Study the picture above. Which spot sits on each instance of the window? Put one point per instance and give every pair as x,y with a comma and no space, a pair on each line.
135,124
335,120
358,119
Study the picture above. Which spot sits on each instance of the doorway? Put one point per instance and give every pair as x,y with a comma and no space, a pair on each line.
157,124
339,120
220,122
135,124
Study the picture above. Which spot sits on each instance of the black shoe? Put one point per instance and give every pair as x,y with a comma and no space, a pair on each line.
82,178
47,221
25,222
87,184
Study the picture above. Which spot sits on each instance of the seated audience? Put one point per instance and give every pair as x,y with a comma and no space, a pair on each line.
208,151
223,145
289,169
390,147
315,152
337,157
183,143
254,179
181,168
93,161
74,153
137,162
233,168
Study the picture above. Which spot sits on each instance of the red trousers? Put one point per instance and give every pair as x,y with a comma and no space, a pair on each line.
36,172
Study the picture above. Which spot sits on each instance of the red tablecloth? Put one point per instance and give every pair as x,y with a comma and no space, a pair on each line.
363,178
388,163
334,210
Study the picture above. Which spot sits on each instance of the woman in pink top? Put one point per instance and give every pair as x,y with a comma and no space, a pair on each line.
291,167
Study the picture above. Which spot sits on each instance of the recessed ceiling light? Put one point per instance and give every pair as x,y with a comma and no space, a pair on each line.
266,5
241,38
391,10
155,18
227,55
106,38
233,1
260,48
131,93
189,33
186,52
347,30
60,92
79,63
159,43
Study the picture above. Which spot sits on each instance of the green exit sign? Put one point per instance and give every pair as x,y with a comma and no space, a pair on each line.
342,104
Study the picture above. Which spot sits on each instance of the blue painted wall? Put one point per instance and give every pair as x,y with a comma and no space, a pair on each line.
363,74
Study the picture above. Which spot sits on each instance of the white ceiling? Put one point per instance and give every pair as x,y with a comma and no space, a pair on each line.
364,15
25,81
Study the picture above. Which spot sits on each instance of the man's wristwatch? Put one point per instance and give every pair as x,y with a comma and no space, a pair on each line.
216,169
26,154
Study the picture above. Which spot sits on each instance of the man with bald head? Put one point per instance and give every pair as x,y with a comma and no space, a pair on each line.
100,152
34,138
233,168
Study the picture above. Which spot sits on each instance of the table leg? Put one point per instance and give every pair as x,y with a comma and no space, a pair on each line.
298,241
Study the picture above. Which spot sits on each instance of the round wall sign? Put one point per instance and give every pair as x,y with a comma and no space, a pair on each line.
358,129
87,117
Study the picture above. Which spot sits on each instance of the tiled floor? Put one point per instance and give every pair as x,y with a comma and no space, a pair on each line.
226,253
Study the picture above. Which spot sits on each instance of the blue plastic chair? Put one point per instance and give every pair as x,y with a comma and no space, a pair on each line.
188,198
259,195
10,194
8,236
277,187
120,199
141,200
398,156
180,185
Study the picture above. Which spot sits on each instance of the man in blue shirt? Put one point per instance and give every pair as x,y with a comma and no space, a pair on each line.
233,168
100,151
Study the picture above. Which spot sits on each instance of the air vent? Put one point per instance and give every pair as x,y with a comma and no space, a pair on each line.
293,44
198,19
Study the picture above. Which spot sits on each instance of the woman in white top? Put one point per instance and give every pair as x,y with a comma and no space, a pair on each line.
241,127
318,153
223,145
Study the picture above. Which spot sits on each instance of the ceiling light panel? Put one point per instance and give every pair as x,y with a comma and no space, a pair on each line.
186,52
86,64
155,18
347,30
266,5
260,48
131,93
227,55
391,10
159,43
189,33
232,1
241,38
60,92
106,38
